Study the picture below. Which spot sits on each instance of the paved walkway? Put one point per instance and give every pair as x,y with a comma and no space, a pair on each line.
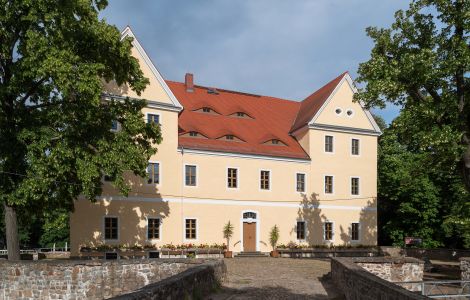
276,278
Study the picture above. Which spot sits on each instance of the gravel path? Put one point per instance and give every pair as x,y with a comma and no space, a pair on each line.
276,278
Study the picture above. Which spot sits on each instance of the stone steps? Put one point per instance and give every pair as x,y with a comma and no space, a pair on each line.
252,254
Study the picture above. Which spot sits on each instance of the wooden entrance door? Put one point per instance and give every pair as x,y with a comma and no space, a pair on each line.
249,237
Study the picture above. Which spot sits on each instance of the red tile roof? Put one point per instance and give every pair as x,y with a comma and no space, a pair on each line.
312,103
269,118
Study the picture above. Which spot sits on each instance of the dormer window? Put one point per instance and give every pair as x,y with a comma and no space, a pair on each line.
276,142
229,137
193,133
241,114
206,109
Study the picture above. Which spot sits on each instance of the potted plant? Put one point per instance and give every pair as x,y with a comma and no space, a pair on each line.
228,232
273,238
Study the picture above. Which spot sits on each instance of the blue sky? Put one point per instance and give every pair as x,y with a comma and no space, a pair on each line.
286,49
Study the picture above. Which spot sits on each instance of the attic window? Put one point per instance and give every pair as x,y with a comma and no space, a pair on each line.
212,91
193,133
276,142
206,109
338,111
241,114
229,137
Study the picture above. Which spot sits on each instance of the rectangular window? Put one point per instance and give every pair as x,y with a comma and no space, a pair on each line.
190,226
354,186
264,180
300,187
152,118
328,231
114,125
232,178
153,228
153,173
355,147
110,228
328,143
328,184
301,230
355,231
190,175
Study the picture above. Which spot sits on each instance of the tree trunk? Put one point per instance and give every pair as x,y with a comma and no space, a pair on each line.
11,226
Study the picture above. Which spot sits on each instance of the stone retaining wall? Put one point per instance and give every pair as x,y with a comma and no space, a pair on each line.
465,268
87,279
369,277
193,283
326,253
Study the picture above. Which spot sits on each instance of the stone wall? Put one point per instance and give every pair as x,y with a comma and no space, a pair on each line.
193,283
465,268
87,279
369,277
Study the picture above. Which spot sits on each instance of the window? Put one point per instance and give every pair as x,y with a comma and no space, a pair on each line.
229,137
153,172
206,109
152,118
232,178
328,231
190,225
328,184
114,125
264,180
300,187
241,114
110,228
193,133
355,147
300,230
153,228
249,215
355,231
328,143
354,186
190,175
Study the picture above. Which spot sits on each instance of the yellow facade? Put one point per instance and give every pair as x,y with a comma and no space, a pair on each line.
213,204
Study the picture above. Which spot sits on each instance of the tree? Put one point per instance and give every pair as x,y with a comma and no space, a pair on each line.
55,138
422,63
228,232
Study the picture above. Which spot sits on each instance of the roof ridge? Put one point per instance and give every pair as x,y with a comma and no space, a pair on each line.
236,92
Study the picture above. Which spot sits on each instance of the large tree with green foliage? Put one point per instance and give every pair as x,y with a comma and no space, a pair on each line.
55,138
422,63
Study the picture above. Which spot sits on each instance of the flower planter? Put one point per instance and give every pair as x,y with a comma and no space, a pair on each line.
228,254
274,253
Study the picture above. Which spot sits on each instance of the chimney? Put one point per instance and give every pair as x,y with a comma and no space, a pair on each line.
189,82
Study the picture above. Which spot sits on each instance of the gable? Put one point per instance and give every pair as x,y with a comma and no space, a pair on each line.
342,111
157,90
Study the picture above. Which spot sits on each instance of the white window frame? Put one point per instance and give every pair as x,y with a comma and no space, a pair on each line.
305,182
359,148
358,187
305,230
226,179
324,185
160,173
153,113
197,175
269,182
333,143
332,231
184,230
359,233
159,230
104,227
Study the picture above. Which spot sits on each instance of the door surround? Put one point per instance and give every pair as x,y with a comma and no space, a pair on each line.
249,220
